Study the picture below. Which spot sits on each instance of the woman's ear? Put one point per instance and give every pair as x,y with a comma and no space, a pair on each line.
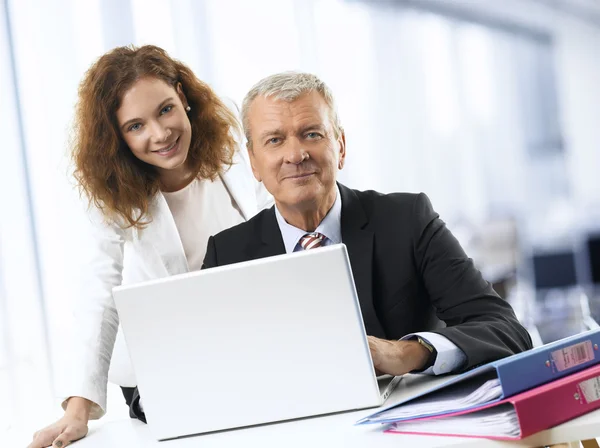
182,97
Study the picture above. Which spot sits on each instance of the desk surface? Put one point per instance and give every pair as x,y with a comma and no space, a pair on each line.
330,431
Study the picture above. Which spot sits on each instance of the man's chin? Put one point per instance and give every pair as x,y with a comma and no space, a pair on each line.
301,198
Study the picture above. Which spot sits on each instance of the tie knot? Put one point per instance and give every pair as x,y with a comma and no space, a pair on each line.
312,240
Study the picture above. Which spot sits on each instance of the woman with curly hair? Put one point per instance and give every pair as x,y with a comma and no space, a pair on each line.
155,153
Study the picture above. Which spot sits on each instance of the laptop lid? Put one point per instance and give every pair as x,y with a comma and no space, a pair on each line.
255,342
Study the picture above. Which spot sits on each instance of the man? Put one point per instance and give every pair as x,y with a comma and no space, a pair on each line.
407,266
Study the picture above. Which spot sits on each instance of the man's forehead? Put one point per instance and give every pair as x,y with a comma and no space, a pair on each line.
265,110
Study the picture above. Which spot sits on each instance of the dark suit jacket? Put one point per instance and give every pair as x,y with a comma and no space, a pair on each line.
408,269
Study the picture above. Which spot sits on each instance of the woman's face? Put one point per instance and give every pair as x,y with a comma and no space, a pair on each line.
154,124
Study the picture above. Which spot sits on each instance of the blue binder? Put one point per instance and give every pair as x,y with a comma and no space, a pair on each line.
518,373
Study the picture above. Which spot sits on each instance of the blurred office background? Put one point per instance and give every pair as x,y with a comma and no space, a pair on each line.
490,107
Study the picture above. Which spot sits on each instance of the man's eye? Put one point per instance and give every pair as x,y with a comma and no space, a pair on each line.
274,140
313,135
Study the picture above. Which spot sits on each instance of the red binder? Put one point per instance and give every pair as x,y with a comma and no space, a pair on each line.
525,414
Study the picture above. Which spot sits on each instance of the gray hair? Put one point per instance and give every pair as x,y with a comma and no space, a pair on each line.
288,86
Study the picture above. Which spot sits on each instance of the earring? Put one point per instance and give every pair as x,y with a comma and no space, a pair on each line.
187,109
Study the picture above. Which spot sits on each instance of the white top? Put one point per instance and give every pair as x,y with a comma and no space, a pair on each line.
201,209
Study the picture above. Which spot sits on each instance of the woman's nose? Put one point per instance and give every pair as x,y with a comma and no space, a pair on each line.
160,133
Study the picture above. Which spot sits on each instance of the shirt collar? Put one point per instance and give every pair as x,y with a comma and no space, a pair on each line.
331,226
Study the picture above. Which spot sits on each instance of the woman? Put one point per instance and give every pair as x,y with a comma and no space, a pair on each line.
155,153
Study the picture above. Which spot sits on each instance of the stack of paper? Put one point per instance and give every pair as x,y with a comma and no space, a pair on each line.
498,421
462,396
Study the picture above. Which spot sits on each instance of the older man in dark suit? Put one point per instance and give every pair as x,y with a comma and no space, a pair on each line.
407,266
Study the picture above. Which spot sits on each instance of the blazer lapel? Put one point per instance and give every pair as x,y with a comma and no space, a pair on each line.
239,184
162,234
359,242
271,239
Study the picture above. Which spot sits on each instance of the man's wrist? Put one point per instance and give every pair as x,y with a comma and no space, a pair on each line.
432,353
414,355
420,354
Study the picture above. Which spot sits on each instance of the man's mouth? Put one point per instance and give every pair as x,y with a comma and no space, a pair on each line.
300,176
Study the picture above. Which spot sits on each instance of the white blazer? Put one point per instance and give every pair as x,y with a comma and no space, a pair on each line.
128,255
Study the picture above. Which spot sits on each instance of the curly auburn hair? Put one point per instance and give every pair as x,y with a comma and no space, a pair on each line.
107,172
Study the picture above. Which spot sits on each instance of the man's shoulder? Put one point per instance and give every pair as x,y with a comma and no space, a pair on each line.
400,208
375,200
376,196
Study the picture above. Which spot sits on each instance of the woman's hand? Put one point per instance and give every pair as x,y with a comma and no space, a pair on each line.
72,426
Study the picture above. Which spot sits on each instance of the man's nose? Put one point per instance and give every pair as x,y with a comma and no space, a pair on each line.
295,153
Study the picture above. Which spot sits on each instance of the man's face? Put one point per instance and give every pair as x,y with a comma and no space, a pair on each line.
295,151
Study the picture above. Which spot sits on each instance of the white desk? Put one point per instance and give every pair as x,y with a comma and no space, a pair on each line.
328,431
332,431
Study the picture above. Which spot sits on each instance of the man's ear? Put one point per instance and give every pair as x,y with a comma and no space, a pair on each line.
253,162
342,153
182,97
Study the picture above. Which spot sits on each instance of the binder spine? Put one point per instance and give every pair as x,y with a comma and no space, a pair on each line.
547,365
558,405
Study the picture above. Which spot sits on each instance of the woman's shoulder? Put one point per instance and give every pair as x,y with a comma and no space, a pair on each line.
101,219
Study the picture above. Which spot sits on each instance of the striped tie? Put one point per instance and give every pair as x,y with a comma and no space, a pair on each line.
312,240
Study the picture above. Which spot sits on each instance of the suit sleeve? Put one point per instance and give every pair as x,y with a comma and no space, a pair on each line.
479,322
210,259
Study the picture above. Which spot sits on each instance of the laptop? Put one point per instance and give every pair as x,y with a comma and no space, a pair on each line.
267,340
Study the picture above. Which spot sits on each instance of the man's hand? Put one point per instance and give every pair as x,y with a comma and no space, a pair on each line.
397,357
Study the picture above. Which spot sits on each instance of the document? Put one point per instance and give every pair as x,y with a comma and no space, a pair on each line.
461,396
498,421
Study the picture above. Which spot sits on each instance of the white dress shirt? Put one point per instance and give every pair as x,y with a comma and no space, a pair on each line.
449,356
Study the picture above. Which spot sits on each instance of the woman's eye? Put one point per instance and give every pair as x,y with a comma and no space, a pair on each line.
135,127
166,109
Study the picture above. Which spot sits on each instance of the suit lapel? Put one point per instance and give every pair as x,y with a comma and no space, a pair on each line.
271,239
359,242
